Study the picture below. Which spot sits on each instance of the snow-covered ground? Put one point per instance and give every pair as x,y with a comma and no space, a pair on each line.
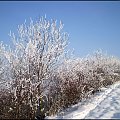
105,104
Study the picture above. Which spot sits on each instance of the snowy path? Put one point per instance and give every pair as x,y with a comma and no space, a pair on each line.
103,105
109,107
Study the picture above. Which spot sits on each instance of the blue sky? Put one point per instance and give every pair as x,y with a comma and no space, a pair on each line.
91,25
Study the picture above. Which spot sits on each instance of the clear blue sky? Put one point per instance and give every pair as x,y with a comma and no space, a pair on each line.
91,25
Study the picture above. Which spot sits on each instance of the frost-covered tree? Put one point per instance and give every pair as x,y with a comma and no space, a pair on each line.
38,49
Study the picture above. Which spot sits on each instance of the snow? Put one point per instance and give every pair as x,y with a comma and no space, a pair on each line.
105,104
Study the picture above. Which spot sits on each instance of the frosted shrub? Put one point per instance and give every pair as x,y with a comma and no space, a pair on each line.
38,49
82,77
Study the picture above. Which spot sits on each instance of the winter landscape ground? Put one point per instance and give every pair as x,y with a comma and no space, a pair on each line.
103,105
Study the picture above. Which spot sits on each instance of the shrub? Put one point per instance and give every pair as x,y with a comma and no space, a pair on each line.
38,49
80,78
